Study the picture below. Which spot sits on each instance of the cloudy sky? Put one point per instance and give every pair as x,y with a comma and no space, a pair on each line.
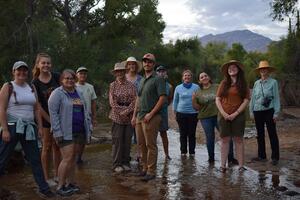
187,18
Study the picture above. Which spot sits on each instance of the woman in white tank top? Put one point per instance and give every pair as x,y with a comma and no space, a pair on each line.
18,114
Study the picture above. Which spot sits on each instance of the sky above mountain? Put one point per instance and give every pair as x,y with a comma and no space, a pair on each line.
188,18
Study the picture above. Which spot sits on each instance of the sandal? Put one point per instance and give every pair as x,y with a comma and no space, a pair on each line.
241,169
223,169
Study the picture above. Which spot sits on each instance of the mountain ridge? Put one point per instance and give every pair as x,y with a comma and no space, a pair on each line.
251,41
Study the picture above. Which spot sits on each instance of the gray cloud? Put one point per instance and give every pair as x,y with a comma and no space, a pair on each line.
219,16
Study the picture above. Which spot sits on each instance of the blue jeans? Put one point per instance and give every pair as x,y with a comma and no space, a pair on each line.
31,151
209,124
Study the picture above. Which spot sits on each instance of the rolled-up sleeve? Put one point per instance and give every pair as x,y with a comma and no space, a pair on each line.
54,108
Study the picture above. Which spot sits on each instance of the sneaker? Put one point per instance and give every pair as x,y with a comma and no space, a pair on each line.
223,169
64,191
126,168
183,154
259,159
141,173
75,188
211,160
192,155
241,169
119,169
47,194
51,182
274,162
233,162
148,177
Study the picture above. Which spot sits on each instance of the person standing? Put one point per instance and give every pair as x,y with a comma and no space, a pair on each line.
232,98
204,103
71,125
264,108
164,125
146,117
21,122
45,81
89,96
122,96
186,115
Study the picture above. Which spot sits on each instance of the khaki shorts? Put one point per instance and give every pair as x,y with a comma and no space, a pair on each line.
232,128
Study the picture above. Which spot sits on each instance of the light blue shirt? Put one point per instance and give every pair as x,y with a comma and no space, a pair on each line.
261,89
182,100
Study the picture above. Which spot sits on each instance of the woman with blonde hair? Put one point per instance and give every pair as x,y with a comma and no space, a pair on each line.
232,98
45,81
186,115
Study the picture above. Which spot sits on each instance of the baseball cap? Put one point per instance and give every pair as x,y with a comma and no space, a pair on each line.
81,69
19,64
149,56
160,68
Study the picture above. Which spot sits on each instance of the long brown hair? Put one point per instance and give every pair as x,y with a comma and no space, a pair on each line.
241,84
36,70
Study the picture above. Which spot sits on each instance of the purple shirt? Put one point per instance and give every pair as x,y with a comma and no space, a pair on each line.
78,113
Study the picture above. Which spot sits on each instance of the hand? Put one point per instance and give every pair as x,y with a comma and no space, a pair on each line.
5,135
133,121
147,117
232,116
59,140
275,118
225,116
40,132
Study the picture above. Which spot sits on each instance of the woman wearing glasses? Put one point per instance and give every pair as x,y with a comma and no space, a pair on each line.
71,126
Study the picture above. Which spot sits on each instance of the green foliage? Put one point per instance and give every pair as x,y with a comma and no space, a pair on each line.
283,8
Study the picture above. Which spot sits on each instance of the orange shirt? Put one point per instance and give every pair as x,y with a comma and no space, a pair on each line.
233,100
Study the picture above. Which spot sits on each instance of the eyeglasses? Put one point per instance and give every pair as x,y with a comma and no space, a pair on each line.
69,78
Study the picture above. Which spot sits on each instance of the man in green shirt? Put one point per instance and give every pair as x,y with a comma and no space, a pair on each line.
147,118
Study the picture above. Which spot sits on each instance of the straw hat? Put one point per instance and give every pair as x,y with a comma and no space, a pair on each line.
133,59
264,65
225,66
118,67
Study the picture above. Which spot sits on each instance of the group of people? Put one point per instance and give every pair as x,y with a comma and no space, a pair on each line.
63,113
54,109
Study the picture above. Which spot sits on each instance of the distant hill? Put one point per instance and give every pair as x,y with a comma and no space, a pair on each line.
250,41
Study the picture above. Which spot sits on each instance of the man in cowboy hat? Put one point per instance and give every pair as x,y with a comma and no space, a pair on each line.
147,118
89,96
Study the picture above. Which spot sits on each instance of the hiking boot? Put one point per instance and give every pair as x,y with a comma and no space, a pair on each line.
148,177
75,188
64,191
259,159
119,169
126,168
274,162
47,194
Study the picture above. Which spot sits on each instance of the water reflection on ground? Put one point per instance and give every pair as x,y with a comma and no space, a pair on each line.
179,178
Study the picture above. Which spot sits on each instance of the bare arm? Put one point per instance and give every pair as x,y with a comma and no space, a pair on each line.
196,106
220,108
93,110
136,108
171,93
3,114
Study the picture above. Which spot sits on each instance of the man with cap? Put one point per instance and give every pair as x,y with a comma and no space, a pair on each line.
89,96
164,126
147,116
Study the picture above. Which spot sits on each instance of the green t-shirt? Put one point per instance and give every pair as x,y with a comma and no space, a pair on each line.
206,99
150,89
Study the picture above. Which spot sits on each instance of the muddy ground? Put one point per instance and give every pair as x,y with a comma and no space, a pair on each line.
181,177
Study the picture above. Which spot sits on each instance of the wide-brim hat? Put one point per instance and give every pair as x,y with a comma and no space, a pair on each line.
264,65
133,59
225,66
118,67
19,64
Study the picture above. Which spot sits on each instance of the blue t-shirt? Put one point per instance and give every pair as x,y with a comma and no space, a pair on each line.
78,113
182,101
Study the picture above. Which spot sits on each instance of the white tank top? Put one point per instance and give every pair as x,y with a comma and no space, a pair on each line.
23,105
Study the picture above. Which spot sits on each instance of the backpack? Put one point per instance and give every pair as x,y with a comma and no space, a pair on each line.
11,91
